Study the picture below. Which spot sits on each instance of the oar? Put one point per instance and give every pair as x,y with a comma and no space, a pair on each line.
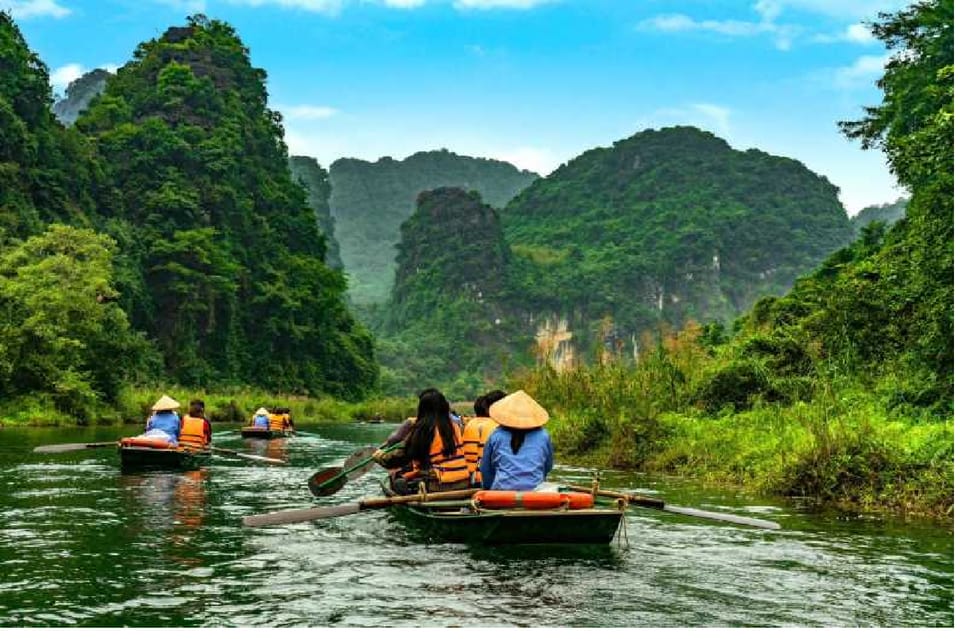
233,453
658,504
62,448
328,481
326,512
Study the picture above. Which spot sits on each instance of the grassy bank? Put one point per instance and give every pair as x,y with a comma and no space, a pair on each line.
223,405
836,450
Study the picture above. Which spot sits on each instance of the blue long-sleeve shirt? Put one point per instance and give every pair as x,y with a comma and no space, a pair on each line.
502,470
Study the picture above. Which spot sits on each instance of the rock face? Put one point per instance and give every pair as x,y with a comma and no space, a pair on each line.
80,93
370,200
314,178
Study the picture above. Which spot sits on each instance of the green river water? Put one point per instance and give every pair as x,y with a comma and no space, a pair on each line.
82,544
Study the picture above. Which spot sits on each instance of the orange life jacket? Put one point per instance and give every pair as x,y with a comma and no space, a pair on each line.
446,469
475,435
277,421
191,433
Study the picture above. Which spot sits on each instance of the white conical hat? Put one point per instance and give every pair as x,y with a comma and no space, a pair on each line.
261,411
166,403
519,410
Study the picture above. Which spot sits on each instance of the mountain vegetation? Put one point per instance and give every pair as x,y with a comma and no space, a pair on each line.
163,237
315,179
886,214
370,200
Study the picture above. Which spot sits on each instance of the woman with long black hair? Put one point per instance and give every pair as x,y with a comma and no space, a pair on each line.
432,452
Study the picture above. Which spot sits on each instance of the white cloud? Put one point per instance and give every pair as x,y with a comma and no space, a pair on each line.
769,10
307,112
26,9
856,33
704,115
62,76
482,5
866,69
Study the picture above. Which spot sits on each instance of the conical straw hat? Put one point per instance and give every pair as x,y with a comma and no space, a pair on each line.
166,403
261,411
519,410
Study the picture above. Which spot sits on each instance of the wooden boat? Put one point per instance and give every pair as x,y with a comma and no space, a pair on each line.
264,433
143,457
455,522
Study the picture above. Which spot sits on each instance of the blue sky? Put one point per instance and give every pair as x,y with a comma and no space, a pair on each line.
533,82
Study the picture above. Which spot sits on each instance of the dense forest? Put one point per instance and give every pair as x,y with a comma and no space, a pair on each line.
171,208
884,213
370,200
79,94
315,179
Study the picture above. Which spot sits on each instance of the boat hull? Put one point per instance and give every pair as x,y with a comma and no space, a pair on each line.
141,458
513,526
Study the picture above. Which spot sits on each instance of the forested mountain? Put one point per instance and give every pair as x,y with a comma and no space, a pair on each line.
370,200
886,213
222,257
448,321
79,94
667,226
314,178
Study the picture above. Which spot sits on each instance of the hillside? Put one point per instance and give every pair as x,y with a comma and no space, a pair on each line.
667,226
370,200
222,258
314,178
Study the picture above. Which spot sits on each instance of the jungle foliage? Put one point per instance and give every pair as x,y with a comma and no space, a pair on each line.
207,264
370,200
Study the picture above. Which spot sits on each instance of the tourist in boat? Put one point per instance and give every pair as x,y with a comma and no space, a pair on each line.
287,419
432,453
164,422
260,419
477,431
196,431
518,454
277,421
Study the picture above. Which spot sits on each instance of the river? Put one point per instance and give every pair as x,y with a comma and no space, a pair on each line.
84,545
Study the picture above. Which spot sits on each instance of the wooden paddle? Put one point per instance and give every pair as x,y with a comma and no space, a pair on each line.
326,512
63,448
233,453
328,481
658,504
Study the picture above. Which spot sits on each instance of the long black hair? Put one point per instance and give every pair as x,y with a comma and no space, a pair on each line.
517,436
433,412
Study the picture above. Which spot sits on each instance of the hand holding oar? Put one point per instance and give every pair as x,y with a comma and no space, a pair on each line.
658,504
63,448
325,512
330,480
233,453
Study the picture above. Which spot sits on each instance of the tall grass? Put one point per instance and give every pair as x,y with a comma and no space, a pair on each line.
840,448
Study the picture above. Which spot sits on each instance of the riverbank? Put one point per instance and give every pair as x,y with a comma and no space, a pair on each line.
223,405
832,452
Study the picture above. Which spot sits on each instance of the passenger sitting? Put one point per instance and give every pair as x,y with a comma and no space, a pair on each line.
164,423
432,453
518,454
261,419
277,421
476,433
196,431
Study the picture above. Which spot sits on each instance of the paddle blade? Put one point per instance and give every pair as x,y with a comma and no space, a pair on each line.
63,448
303,514
359,463
733,519
326,482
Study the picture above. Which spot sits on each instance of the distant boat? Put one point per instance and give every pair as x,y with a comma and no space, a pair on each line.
264,433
